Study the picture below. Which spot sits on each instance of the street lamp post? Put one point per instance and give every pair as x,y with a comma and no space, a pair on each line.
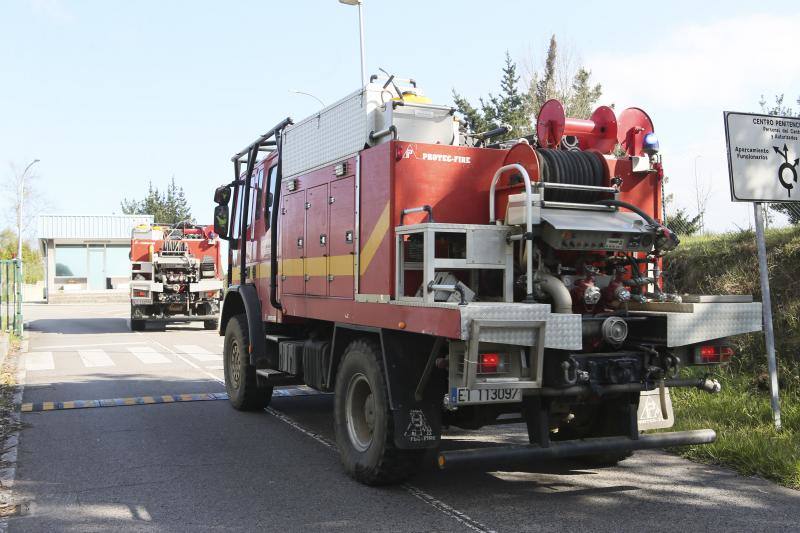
20,206
360,4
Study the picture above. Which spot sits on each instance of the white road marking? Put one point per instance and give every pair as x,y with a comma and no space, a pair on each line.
187,361
198,352
39,361
416,492
95,358
66,346
215,367
459,516
148,355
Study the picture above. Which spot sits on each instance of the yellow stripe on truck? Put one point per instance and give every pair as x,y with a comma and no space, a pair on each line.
336,265
375,239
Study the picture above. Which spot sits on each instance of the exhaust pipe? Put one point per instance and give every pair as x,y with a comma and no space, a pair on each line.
572,448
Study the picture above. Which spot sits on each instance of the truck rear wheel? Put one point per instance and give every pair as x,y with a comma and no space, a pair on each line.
363,421
137,324
240,376
209,324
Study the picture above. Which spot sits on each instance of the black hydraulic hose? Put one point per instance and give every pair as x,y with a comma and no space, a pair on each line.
619,203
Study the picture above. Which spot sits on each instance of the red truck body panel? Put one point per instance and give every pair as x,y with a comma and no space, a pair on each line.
320,209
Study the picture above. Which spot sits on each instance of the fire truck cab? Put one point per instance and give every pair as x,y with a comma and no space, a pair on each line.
431,277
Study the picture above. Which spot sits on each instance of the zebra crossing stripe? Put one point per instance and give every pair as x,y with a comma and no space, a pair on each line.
148,355
122,402
39,361
198,352
95,358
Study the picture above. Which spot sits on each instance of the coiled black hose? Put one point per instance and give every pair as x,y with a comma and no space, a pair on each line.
572,167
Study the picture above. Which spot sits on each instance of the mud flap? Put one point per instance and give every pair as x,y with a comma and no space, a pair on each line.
417,423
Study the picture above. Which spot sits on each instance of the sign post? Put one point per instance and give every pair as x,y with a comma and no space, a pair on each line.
763,161
766,306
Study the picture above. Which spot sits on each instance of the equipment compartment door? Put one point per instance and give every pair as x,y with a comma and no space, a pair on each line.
293,243
342,225
316,256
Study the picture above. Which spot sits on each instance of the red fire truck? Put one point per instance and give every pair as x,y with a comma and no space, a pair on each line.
176,275
431,277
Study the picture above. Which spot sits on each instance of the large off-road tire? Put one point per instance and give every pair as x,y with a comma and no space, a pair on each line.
240,377
210,324
363,421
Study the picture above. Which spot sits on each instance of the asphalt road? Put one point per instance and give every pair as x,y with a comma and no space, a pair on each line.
202,466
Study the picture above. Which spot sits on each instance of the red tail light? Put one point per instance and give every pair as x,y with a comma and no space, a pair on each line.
711,354
138,293
489,362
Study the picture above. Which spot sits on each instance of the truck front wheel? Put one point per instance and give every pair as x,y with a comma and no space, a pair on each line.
363,421
240,376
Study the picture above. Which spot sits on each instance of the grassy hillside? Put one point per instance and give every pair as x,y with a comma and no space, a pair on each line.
747,441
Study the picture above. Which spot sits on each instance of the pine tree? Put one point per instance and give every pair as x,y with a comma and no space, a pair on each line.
474,117
169,207
584,95
545,84
684,224
518,106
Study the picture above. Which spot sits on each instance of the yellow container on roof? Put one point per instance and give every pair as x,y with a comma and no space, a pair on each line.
413,98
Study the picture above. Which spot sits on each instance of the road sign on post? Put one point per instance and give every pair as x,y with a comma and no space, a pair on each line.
763,161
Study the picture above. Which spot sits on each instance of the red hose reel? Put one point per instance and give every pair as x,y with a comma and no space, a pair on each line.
601,132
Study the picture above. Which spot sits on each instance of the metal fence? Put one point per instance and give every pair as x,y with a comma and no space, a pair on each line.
11,296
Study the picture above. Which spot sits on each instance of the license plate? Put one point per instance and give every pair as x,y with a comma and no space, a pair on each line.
495,395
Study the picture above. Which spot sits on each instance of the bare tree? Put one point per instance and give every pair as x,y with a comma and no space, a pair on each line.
702,194
23,198
559,74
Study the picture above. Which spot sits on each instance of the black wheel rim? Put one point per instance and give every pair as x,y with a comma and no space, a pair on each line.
360,412
233,365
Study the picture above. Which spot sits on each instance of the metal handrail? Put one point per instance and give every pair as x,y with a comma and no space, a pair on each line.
574,187
528,218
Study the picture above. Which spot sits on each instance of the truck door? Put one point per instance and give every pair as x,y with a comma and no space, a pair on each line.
292,242
342,228
316,257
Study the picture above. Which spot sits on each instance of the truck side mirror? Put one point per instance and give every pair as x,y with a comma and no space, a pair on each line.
221,221
222,195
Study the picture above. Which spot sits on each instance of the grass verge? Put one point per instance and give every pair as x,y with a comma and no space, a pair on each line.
746,437
9,420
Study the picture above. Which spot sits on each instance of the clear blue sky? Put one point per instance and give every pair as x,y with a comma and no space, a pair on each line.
111,94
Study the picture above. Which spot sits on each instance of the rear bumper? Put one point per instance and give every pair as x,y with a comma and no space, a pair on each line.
178,318
572,448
